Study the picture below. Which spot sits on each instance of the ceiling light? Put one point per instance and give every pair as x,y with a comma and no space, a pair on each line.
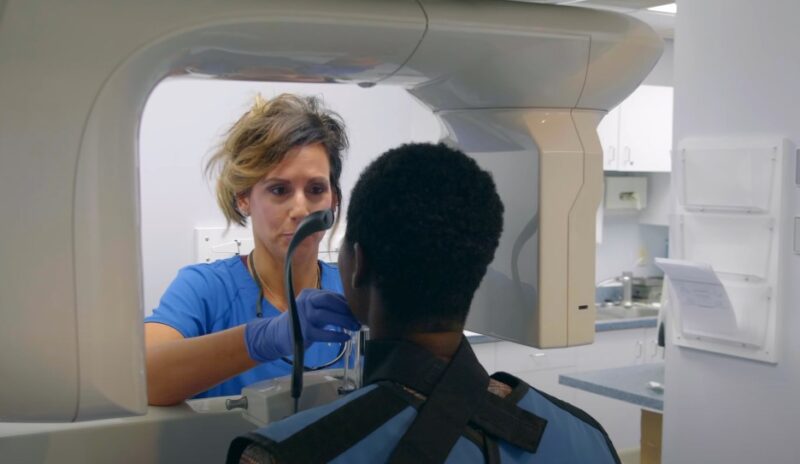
671,8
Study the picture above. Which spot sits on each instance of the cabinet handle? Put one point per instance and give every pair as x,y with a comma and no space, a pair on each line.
613,151
639,349
628,156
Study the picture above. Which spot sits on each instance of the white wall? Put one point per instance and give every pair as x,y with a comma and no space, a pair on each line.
737,72
185,119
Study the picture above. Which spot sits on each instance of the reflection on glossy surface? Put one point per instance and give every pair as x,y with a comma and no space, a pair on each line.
505,148
614,312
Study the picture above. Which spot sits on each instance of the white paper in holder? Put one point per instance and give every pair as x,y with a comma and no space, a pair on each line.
705,309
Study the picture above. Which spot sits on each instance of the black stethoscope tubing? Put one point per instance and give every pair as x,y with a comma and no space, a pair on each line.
259,313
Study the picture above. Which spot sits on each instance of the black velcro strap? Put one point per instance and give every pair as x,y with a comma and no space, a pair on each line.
491,450
505,420
443,417
333,434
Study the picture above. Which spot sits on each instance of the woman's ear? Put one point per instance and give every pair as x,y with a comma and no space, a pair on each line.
335,203
243,203
360,276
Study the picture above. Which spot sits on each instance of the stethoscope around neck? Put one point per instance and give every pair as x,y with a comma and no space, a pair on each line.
314,222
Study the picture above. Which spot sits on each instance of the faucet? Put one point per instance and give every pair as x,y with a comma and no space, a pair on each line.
627,289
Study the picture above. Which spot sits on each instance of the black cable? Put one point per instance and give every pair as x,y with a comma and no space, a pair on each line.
314,222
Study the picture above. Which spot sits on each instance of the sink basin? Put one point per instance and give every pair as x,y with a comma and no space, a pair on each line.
617,311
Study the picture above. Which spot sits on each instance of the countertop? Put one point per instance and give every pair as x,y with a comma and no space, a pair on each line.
622,324
630,383
599,326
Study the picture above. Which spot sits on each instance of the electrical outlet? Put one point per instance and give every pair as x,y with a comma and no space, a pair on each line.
212,243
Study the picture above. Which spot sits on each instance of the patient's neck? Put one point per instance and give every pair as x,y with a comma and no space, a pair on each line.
441,344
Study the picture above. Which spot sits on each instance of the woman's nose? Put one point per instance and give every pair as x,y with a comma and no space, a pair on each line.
299,206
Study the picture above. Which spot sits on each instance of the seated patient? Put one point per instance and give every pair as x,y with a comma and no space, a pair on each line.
423,225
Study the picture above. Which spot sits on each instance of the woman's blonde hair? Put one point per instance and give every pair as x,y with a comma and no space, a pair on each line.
261,139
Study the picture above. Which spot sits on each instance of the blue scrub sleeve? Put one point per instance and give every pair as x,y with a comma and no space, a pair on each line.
188,303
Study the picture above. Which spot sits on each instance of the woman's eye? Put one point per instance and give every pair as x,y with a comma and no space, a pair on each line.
318,189
277,190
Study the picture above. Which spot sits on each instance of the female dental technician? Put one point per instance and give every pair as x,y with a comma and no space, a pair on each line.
224,325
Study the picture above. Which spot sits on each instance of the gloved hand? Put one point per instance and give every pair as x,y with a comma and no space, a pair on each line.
270,338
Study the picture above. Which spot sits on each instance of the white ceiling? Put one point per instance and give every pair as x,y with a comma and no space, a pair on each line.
663,23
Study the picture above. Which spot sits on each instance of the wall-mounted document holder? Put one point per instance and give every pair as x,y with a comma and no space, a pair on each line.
731,237
736,244
706,312
737,179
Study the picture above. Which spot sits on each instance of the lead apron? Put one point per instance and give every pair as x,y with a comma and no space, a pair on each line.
456,403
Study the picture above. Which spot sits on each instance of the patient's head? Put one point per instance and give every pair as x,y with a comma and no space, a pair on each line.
422,226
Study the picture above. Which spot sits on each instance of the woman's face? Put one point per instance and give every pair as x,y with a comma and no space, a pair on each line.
296,187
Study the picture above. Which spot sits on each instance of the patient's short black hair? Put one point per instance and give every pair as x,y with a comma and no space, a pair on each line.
428,219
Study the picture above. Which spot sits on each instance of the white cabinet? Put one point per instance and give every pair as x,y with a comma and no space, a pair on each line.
614,348
541,369
637,134
651,352
608,132
645,347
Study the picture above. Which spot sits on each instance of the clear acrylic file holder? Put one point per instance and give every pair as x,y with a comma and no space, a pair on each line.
733,312
737,180
729,240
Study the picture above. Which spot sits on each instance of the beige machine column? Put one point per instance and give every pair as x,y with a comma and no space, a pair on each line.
571,186
547,164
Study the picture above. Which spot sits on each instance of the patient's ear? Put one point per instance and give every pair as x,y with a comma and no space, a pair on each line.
361,271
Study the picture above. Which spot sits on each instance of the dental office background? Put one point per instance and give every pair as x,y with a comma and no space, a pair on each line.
185,119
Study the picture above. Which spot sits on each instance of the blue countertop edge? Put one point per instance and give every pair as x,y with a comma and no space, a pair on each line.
475,339
627,384
622,324
599,326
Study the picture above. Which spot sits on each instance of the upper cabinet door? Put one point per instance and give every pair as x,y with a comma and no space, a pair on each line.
645,130
608,132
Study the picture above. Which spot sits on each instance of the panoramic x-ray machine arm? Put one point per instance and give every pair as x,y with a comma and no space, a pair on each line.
527,83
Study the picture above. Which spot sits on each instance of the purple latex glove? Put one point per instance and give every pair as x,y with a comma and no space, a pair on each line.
270,338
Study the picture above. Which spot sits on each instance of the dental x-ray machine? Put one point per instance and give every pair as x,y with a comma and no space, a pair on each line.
521,87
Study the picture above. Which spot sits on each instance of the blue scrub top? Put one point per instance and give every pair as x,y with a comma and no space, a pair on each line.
208,298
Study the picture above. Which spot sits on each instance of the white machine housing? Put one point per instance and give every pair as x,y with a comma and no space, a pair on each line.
530,82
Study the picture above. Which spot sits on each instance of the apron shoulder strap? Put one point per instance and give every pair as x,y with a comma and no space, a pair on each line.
451,403
457,397
332,434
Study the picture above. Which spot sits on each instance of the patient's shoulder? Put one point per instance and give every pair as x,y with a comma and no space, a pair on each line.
336,430
566,424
